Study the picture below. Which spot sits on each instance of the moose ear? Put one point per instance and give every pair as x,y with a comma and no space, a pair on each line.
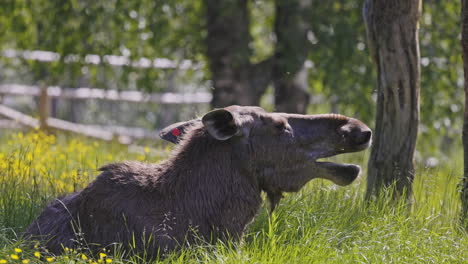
174,132
221,124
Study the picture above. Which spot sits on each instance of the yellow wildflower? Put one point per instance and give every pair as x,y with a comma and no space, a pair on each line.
108,260
102,255
50,259
3,261
84,257
14,256
37,254
18,250
25,261
99,261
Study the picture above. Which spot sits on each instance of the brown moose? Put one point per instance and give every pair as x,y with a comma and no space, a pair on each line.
211,186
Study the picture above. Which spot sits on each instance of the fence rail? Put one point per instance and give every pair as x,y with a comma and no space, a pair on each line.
113,60
124,135
111,95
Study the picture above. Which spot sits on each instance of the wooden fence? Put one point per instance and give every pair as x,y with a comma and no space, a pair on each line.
124,135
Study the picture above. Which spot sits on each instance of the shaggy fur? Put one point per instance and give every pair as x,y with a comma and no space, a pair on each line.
209,188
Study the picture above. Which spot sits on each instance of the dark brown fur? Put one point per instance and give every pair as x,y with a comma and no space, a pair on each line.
209,188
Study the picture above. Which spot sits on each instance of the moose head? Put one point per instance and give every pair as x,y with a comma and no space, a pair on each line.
282,150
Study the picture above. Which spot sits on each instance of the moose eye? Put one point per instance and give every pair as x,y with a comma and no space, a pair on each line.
280,126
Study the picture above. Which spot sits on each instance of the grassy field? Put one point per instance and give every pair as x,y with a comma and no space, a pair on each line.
322,223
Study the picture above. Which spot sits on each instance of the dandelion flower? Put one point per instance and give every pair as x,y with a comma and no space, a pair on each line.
108,260
102,255
14,256
50,259
3,261
18,250
84,257
37,254
25,261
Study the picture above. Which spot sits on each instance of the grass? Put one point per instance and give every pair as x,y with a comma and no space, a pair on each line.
322,223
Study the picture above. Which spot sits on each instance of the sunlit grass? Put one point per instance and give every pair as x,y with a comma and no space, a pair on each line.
35,168
323,223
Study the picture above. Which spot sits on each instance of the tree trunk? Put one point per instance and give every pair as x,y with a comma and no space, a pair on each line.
392,31
464,42
235,79
289,74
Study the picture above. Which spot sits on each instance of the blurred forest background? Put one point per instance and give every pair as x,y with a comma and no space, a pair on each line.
339,73
122,70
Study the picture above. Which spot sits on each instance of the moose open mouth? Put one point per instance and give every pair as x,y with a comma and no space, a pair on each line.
339,173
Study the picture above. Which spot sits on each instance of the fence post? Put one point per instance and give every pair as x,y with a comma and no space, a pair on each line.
44,105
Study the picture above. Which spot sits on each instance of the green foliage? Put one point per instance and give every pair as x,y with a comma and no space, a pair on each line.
135,29
442,73
175,29
343,72
323,223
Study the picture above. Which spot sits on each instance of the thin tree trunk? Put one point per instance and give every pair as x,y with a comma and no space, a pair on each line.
392,31
292,46
464,43
235,79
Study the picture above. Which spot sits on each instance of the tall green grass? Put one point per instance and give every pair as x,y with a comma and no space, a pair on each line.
323,223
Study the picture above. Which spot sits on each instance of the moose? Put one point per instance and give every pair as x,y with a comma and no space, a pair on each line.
210,188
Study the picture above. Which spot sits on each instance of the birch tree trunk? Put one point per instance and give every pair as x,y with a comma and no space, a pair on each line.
392,32
464,43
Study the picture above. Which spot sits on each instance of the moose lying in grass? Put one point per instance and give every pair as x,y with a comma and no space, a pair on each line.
210,188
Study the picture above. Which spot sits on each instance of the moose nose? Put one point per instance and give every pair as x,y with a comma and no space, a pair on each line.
356,133
361,137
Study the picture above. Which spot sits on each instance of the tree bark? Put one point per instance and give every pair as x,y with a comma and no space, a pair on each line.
292,46
392,32
235,79
464,43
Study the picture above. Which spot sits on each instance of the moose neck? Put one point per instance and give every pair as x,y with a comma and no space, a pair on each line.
208,175
203,162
